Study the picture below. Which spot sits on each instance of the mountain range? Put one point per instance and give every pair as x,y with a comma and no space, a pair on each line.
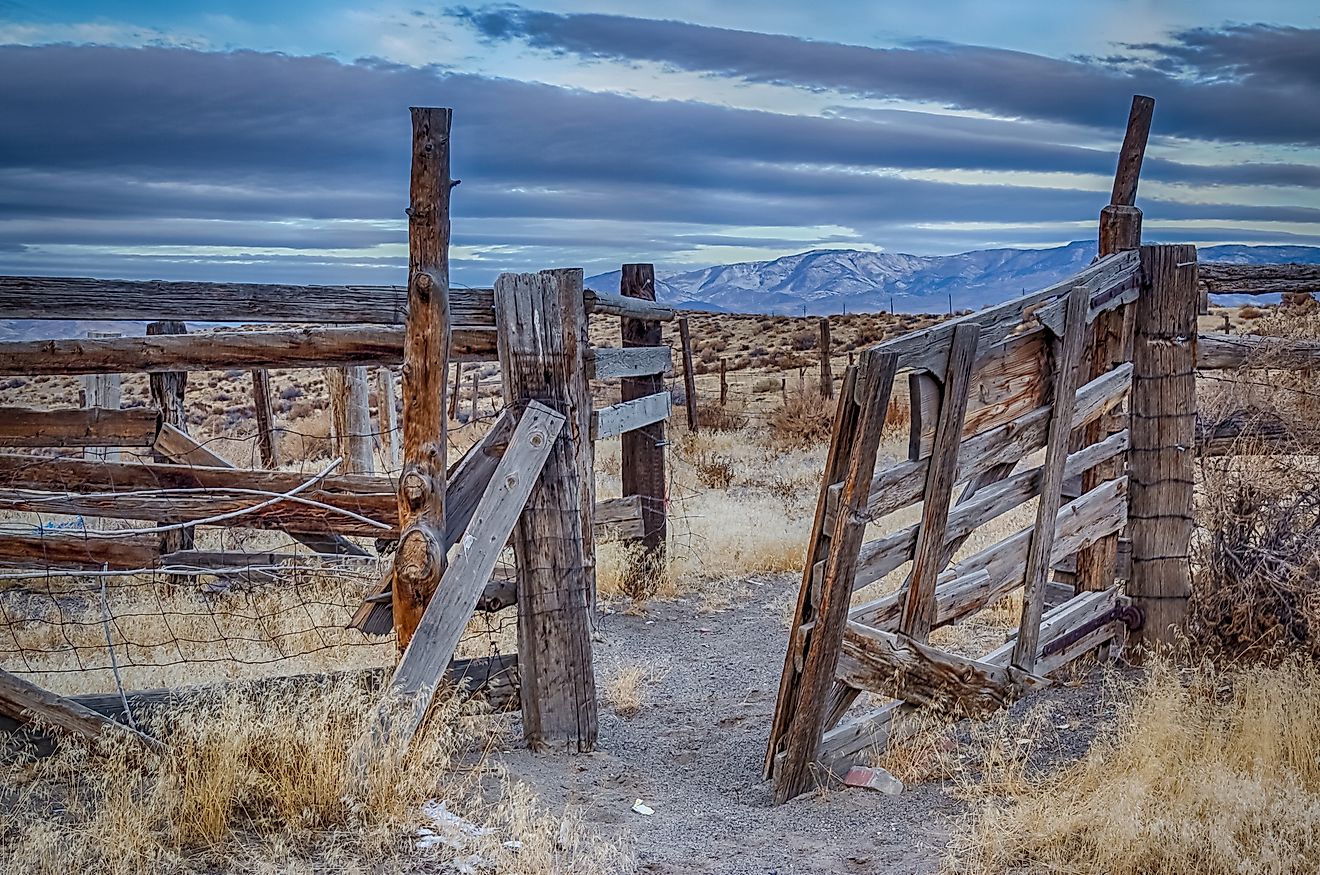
830,281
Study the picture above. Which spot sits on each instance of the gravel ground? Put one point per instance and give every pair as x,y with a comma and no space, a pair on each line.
693,753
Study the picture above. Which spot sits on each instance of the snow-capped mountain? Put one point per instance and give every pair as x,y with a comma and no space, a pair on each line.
828,281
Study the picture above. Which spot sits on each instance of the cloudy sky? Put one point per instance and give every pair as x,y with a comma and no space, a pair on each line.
268,141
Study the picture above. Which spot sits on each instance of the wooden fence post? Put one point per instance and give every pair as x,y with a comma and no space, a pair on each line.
826,374
168,389
261,405
542,361
476,389
453,396
387,418
1163,435
102,390
643,449
724,382
420,558
689,378
1111,343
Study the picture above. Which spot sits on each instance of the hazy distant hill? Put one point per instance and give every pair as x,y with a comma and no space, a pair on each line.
827,281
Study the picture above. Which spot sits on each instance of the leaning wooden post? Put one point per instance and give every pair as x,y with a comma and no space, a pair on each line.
1163,435
420,559
542,361
643,449
168,389
689,378
265,414
1111,343
826,374
386,418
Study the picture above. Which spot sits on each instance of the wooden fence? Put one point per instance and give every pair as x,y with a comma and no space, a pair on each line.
529,480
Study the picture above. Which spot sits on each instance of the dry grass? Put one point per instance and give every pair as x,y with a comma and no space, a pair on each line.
265,782
627,688
1206,773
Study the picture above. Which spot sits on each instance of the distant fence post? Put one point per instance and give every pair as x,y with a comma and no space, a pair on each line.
1163,440
724,381
476,390
1111,343
689,378
387,418
643,450
105,391
826,373
168,389
538,318
453,396
420,557
350,416
261,405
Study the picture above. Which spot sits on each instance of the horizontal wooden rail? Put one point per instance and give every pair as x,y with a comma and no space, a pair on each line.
222,350
54,297
630,415
1230,351
73,551
78,427
1258,279
608,362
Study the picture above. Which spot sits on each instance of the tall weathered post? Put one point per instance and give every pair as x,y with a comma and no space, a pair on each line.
689,377
540,321
420,558
1160,514
168,389
1111,342
643,449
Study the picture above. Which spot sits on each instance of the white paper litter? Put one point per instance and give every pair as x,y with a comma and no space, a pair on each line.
642,808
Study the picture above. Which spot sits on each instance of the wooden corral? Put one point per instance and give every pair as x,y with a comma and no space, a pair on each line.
527,482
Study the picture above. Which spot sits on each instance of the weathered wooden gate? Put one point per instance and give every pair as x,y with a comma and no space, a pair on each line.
1044,371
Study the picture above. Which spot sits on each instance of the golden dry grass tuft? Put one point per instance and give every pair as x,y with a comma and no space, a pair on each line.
1207,773
265,780
627,688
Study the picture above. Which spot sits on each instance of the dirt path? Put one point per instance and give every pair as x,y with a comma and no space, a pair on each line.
694,753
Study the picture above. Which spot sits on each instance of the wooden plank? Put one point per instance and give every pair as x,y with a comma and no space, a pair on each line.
103,391
883,555
689,376
893,664
420,559
1215,351
919,603
1041,552
74,551
642,452
1008,381
432,645
265,416
77,427
26,703
996,571
1133,151
793,774
1258,279
629,415
900,485
1163,432
610,362
541,355
168,390
29,297
843,435
620,518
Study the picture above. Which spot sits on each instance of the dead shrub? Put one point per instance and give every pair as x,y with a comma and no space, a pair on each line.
804,419
1250,312
713,417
